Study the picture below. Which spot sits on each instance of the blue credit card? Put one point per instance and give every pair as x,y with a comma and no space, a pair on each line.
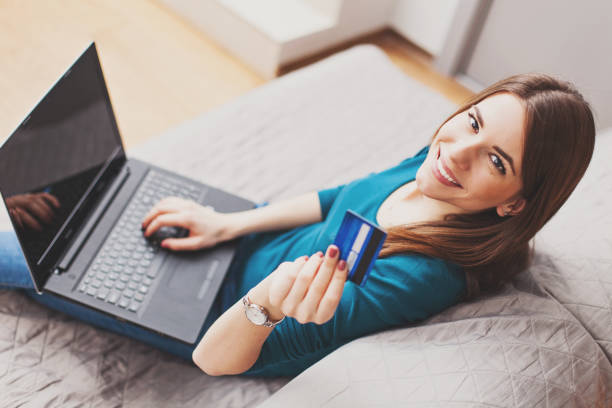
359,242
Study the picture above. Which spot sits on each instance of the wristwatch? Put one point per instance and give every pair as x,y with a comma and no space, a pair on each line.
257,314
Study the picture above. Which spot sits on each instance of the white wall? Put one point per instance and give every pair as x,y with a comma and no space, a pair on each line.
354,18
561,37
424,22
267,34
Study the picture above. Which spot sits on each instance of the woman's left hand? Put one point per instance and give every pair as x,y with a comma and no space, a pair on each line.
308,289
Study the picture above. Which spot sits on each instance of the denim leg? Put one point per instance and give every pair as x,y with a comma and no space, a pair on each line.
14,271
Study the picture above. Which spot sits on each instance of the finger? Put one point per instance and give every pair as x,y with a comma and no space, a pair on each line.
301,284
166,220
333,294
51,199
283,281
321,280
28,220
166,205
183,244
41,210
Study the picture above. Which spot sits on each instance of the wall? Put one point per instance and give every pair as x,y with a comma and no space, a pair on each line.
561,37
354,18
424,22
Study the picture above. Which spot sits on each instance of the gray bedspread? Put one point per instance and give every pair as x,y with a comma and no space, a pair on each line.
544,341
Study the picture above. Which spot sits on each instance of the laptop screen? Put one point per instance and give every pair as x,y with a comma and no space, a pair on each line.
49,165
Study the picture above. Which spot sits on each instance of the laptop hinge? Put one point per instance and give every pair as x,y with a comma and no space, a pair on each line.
72,252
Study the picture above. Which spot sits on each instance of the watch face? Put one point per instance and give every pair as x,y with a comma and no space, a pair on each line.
255,315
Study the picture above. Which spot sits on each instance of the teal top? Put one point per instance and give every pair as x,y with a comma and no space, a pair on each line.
401,288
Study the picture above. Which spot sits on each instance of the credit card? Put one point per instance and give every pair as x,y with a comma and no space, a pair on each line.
359,242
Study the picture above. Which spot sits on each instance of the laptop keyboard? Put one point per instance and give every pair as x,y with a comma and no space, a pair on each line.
124,270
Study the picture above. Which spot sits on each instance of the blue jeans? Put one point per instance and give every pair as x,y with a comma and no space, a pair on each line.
14,274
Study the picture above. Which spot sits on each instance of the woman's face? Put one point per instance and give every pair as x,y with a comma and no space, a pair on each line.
480,151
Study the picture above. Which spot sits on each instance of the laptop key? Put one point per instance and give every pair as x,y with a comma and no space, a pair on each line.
91,291
124,302
113,297
134,306
139,297
102,294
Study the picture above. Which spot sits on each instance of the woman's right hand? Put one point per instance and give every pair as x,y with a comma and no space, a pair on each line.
206,226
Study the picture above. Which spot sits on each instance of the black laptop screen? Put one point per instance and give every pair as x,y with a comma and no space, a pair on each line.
50,162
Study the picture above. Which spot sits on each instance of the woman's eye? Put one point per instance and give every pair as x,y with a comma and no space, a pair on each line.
498,163
474,123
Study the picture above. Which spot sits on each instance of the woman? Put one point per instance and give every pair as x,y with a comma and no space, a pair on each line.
459,217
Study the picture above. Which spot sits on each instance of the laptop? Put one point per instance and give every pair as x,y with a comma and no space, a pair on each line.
77,202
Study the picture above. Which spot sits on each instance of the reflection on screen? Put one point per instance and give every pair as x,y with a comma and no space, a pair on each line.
47,165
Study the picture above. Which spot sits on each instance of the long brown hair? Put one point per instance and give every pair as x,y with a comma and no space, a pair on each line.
559,142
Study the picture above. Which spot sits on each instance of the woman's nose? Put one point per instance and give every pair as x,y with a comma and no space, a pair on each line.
461,153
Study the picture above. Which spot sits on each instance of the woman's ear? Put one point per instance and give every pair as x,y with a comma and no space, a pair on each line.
512,207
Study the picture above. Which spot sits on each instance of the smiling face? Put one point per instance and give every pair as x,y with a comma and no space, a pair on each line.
475,161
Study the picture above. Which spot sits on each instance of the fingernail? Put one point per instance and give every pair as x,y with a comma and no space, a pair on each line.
320,254
342,264
332,251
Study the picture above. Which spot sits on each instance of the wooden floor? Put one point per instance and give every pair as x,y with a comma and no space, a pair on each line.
159,69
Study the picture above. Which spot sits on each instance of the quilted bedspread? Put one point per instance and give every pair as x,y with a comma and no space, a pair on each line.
545,340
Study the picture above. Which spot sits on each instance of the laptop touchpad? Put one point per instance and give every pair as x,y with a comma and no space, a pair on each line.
190,276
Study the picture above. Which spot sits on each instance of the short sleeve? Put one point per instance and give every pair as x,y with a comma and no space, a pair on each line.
398,292
327,198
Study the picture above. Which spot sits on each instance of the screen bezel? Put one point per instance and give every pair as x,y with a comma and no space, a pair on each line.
42,268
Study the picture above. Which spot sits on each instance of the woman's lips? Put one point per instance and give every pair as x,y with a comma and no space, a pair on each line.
439,175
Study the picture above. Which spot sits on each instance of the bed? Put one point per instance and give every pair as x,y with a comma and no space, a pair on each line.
544,340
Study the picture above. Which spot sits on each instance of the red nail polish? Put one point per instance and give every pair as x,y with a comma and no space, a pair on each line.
332,251
342,264
320,254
